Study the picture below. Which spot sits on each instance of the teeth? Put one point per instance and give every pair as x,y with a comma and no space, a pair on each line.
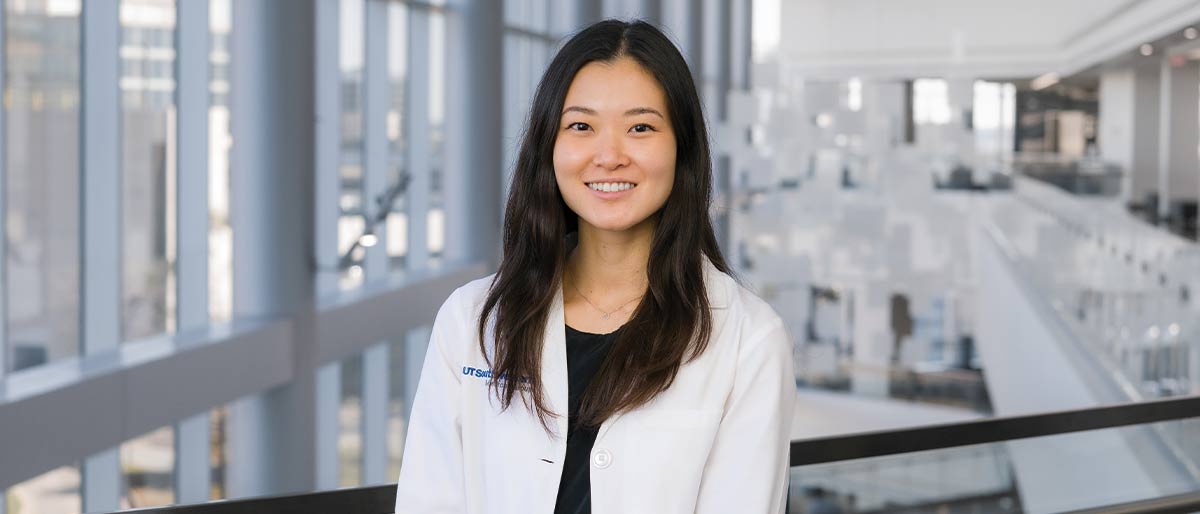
610,187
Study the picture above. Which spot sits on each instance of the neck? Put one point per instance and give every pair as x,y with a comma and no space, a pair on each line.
608,264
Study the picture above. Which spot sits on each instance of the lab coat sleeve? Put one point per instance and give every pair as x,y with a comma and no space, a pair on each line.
748,465
431,473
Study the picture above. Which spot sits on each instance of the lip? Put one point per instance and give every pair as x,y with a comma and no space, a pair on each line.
611,195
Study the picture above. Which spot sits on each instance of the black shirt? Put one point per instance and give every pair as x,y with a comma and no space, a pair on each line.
585,353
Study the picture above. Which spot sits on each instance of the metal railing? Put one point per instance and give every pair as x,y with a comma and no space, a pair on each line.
380,499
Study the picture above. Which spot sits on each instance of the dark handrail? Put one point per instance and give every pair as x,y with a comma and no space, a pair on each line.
989,430
375,499
380,499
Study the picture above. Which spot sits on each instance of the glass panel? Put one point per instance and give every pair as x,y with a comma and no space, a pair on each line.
435,216
53,491
350,198
931,101
147,86
1057,473
350,438
1123,289
993,120
148,469
397,220
220,140
397,419
219,419
41,168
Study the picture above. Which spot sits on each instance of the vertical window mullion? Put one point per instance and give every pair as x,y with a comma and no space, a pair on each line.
3,212
328,399
328,144
327,188
375,183
375,142
419,138
193,479
100,231
375,414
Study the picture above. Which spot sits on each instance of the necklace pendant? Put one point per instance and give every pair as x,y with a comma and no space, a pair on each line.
604,316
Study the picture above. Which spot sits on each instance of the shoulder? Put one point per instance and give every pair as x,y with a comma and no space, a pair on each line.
466,301
742,306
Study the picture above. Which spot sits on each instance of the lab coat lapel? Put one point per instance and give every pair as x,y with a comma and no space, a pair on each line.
554,364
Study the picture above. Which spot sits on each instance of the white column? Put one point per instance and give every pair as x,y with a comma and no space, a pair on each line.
474,156
590,11
193,478
328,399
418,137
272,435
374,374
4,250
681,18
375,144
739,43
3,239
327,145
327,77
715,86
1183,177
961,92
3,223
100,224
1164,139
375,414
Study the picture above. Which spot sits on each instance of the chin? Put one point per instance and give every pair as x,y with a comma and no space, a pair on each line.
615,225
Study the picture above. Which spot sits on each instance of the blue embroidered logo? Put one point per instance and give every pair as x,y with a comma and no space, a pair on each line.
476,372
486,374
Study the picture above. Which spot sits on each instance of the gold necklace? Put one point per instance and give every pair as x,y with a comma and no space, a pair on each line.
604,315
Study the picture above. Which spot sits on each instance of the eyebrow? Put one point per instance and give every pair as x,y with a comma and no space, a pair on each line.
632,112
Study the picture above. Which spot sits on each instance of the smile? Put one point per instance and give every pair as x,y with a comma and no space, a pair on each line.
611,187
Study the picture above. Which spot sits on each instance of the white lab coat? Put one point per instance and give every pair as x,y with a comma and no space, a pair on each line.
715,442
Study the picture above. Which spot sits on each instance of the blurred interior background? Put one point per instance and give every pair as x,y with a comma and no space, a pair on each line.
228,224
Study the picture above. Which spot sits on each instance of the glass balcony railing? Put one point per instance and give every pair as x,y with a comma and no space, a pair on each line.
1097,460
1125,289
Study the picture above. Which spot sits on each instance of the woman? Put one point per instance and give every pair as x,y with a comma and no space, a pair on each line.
611,365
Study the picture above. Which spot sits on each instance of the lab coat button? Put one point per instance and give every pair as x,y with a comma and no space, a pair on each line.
602,459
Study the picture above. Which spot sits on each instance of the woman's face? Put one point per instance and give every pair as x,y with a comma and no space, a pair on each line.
614,156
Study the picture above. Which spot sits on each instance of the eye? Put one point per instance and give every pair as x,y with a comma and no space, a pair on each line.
579,125
642,127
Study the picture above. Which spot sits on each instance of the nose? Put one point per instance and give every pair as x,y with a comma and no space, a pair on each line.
610,153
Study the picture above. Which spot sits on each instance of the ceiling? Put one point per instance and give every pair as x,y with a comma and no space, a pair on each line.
978,37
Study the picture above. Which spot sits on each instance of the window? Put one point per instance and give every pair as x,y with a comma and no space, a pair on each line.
41,172
351,203
931,102
397,220
435,215
220,140
148,118
53,491
148,469
218,460
350,424
993,117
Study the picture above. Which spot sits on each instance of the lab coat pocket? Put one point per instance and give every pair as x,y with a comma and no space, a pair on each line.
670,447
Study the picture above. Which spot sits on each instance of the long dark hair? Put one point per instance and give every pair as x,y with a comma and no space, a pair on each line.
672,323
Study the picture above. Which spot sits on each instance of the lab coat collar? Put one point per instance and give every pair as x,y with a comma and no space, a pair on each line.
554,349
554,363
